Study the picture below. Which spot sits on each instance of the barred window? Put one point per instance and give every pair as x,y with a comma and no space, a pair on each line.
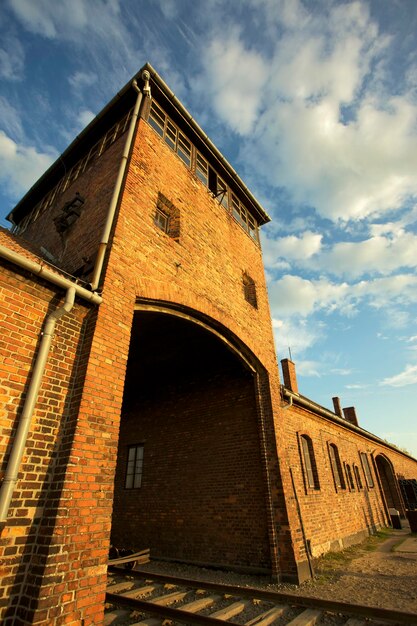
134,467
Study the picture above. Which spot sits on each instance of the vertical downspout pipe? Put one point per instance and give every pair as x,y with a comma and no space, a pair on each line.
19,443
98,266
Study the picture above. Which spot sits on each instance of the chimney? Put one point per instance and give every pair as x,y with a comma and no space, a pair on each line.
290,377
337,407
350,415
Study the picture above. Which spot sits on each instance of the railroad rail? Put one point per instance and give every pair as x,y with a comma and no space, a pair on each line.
143,599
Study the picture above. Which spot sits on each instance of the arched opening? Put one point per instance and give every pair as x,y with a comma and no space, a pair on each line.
189,481
389,484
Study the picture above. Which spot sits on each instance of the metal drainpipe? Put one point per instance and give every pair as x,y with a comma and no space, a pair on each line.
19,443
98,266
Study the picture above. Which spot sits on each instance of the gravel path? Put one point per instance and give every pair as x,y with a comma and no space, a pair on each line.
375,573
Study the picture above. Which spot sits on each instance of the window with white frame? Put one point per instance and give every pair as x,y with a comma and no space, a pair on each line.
134,466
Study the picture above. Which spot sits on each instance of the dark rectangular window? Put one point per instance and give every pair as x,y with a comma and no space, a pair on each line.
134,467
309,462
357,476
349,477
339,481
366,469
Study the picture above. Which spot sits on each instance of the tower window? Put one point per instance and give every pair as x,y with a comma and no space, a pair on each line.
161,220
167,217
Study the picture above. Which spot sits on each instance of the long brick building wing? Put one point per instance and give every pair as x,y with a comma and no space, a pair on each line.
140,398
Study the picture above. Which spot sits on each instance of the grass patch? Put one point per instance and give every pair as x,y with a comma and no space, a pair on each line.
332,561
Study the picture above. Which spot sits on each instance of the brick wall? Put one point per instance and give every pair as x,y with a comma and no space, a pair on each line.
28,540
80,241
335,517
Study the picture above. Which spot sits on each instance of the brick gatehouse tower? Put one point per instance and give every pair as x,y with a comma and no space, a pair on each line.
140,397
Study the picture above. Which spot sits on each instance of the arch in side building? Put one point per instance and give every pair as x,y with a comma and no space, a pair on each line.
389,485
191,480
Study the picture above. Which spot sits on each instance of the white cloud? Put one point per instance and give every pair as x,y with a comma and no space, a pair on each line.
20,165
407,377
295,334
96,30
323,126
12,58
376,255
81,80
292,247
234,79
10,120
309,368
294,295
45,17
84,117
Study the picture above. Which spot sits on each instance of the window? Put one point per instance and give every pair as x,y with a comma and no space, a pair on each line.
184,149
366,469
195,161
339,481
357,476
249,290
201,169
244,218
134,467
349,477
309,463
161,220
167,217
157,118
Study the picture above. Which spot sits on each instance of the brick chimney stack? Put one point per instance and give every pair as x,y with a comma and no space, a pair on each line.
289,374
337,407
350,415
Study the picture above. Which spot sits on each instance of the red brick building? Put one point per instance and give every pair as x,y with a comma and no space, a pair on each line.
140,396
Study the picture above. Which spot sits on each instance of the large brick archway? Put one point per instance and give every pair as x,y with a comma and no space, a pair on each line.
190,404
389,484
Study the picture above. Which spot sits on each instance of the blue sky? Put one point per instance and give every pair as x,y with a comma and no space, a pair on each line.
315,105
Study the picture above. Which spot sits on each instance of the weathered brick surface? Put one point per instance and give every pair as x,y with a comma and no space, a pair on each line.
336,517
203,497
28,541
80,241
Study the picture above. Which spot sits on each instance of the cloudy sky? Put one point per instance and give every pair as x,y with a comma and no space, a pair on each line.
314,102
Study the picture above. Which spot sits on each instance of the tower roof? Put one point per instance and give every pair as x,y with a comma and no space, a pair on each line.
120,102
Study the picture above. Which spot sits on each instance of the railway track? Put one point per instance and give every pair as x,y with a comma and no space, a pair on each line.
142,599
